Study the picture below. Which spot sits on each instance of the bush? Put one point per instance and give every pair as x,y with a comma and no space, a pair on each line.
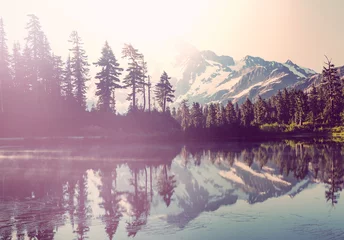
273,127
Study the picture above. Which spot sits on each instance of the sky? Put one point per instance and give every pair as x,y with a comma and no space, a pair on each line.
300,30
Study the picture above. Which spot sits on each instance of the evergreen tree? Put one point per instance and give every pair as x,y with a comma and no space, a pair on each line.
108,79
196,115
247,110
55,83
292,105
260,111
220,121
134,78
17,68
149,85
143,83
286,106
46,66
79,66
205,115
301,108
230,113
37,55
332,86
4,68
184,115
164,91
313,104
29,82
280,107
67,83
238,113
211,117
321,104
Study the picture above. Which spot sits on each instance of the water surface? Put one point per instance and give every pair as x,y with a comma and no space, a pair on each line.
280,190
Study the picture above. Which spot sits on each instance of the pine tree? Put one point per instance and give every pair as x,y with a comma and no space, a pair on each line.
29,82
220,121
260,111
332,86
292,105
34,43
280,107
184,115
321,104
17,67
4,68
205,115
143,83
196,115
230,113
67,83
164,91
108,79
45,65
238,113
313,104
55,83
211,117
149,86
301,108
247,110
286,106
79,66
134,78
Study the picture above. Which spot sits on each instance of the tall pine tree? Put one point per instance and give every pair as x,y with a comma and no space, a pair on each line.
4,68
134,78
313,104
80,69
108,79
247,110
260,111
333,87
164,91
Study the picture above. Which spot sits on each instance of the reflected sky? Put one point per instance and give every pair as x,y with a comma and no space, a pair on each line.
236,190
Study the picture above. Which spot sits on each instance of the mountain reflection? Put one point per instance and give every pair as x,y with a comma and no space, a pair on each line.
42,197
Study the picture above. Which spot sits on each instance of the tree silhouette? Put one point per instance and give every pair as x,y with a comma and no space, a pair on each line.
166,185
108,79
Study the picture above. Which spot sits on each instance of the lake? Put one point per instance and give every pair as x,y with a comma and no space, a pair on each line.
260,190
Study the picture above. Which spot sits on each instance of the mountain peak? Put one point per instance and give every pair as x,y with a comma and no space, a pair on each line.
289,62
253,61
224,60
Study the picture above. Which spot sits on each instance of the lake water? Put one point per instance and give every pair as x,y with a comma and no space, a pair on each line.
279,190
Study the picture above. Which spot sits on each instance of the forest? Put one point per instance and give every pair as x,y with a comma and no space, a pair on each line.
42,94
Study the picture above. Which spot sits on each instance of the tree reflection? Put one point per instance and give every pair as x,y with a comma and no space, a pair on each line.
166,185
139,202
302,162
110,203
35,202
82,209
334,176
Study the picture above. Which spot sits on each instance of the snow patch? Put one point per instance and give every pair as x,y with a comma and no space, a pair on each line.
273,178
230,175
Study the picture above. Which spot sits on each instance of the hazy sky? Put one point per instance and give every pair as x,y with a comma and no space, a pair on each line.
300,30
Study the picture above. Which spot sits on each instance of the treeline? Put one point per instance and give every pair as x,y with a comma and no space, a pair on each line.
323,105
42,94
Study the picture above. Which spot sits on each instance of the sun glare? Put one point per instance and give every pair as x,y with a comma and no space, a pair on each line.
139,20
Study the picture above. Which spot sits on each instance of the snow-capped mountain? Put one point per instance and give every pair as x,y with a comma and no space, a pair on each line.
203,76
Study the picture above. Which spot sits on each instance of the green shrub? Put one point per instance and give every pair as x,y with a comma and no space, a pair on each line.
273,127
